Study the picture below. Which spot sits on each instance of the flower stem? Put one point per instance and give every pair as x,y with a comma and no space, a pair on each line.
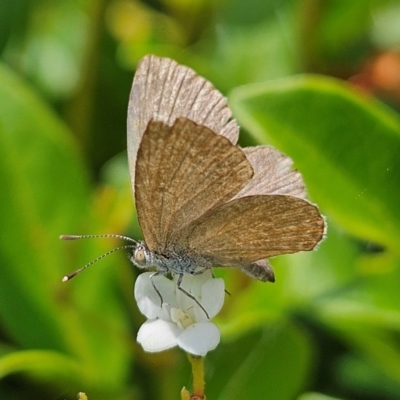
198,379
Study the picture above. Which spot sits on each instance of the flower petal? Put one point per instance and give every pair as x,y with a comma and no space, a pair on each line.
158,335
193,283
147,298
199,338
209,292
213,296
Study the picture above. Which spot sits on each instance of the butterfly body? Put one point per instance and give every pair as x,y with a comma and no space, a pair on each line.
172,262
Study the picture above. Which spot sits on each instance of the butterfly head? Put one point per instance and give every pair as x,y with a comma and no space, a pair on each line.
142,257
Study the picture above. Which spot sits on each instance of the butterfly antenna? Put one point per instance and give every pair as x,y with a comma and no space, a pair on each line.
75,237
107,236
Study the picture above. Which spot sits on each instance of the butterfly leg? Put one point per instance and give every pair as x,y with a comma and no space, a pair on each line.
154,285
180,278
228,293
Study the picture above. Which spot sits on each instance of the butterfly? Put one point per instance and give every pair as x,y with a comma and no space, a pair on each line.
201,200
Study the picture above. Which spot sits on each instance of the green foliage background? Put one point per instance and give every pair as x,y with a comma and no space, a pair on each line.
318,80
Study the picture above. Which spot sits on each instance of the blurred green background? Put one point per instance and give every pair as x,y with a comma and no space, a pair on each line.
319,80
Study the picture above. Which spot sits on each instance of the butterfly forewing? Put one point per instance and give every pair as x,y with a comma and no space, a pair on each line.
252,228
164,90
183,172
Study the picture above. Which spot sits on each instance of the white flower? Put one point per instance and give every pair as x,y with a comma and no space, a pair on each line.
179,321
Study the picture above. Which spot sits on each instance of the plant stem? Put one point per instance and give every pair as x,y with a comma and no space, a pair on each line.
198,379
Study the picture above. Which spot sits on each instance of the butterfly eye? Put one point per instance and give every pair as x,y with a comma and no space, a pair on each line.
140,257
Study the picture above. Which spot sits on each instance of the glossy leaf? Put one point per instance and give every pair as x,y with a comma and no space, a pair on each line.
45,194
316,396
278,359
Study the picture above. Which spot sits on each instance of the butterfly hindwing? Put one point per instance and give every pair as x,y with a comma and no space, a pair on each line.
252,228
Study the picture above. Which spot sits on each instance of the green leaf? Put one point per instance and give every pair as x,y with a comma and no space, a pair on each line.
364,378
44,364
59,371
316,396
346,146
39,169
45,193
276,361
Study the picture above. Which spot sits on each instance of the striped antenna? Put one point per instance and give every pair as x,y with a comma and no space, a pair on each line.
75,237
107,236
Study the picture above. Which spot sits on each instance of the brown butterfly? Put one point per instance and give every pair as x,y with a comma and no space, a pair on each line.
201,200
